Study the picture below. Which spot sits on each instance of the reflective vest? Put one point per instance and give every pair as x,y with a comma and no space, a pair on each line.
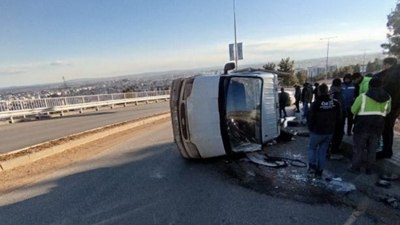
366,106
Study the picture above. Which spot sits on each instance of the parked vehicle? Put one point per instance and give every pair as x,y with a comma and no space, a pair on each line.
214,115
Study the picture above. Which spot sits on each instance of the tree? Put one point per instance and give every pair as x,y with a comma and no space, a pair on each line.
287,66
301,76
269,66
374,66
393,25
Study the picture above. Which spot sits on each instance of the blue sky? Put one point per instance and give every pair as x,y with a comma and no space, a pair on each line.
43,40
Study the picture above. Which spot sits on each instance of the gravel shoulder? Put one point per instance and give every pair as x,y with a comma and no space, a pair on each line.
28,174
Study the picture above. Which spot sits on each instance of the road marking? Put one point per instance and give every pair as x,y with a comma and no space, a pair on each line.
360,210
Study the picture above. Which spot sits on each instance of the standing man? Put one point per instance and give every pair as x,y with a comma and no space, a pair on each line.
284,99
370,110
297,97
390,78
315,91
336,93
324,115
362,82
306,98
348,94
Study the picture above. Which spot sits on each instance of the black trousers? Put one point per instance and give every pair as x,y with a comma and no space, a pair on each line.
387,133
350,120
297,104
282,108
364,146
337,137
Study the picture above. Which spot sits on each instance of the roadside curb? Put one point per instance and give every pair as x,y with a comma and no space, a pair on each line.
33,153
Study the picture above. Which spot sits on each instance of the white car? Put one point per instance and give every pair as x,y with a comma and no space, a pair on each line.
214,115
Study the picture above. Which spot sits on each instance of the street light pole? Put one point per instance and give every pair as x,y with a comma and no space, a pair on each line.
234,28
327,54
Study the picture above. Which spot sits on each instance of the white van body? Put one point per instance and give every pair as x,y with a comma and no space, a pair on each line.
214,115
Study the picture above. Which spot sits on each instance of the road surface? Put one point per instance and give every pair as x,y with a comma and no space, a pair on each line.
24,134
143,180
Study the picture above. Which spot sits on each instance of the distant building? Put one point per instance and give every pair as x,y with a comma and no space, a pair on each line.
315,71
332,68
318,70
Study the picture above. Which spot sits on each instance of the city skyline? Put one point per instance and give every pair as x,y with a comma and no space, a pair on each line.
46,40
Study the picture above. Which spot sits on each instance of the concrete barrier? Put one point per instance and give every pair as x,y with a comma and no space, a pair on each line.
33,153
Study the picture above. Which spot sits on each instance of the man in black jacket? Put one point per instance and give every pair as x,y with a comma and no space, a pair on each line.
324,115
284,100
390,78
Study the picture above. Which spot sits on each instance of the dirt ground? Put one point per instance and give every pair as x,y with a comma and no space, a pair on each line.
28,174
397,126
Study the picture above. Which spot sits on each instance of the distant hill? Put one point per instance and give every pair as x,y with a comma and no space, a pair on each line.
336,60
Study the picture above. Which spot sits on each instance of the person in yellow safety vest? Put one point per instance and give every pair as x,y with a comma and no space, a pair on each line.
370,109
361,81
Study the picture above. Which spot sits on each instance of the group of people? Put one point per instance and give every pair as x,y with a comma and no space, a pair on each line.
370,103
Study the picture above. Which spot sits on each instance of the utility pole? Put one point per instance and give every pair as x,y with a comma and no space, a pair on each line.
234,28
327,54
65,83
363,67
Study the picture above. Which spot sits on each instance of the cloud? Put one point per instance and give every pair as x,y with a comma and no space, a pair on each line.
59,63
311,46
9,72
31,67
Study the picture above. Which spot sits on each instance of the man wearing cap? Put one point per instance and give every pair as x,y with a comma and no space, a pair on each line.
370,109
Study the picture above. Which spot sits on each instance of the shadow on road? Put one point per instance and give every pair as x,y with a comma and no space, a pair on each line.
156,186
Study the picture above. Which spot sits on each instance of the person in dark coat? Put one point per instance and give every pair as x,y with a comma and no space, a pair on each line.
284,100
390,78
306,98
336,93
323,117
348,94
315,91
297,97
370,110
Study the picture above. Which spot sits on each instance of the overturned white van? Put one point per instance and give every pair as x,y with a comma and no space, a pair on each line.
214,115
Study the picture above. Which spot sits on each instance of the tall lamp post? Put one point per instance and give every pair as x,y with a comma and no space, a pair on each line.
234,28
327,54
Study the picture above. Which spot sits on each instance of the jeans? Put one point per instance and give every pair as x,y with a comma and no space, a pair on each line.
317,149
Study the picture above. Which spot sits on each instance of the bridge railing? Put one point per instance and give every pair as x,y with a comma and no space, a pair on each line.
15,108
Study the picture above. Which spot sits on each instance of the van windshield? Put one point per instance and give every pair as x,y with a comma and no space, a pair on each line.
243,110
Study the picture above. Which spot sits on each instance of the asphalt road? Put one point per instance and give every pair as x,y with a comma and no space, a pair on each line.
24,134
143,180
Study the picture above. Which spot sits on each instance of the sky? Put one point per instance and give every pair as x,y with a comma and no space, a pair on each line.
42,41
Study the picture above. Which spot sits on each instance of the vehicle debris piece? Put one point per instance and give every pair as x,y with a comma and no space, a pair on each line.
389,176
383,183
261,159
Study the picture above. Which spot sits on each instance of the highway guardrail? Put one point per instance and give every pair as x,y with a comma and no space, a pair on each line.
38,107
